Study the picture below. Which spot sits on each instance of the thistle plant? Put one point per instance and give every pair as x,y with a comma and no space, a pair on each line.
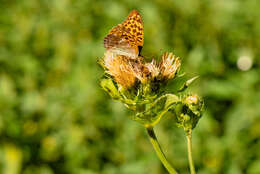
141,85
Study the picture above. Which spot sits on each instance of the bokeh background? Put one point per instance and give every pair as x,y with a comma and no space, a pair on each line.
55,118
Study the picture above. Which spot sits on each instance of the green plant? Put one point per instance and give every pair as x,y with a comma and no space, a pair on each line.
141,86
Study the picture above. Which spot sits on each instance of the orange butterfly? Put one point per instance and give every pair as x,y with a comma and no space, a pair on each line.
127,38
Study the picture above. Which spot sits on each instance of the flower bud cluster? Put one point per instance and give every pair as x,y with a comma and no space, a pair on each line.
188,112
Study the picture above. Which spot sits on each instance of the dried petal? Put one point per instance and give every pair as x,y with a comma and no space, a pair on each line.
153,68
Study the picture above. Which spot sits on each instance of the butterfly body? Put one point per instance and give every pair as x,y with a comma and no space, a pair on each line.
127,38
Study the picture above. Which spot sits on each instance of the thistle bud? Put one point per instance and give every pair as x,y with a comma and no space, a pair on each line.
188,112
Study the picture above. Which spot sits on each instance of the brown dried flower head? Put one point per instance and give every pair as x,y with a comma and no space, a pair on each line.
127,72
120,69
169,66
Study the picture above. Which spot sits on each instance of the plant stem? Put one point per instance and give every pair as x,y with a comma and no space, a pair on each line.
159,151
192,168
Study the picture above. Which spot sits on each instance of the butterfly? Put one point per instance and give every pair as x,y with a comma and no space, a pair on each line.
126,39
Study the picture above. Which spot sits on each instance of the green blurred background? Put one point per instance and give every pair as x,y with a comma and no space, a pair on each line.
56,119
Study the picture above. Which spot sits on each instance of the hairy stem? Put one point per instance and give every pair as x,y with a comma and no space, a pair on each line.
159,151
189,146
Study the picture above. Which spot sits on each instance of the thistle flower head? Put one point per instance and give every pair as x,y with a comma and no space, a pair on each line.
127,72
169,66
120,68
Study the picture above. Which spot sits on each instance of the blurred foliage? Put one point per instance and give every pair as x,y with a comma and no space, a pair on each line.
54,117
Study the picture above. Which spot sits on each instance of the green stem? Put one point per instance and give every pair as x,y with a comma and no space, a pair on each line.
159,151
192,168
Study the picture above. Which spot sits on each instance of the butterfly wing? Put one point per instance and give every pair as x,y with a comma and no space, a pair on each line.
134,28
126,38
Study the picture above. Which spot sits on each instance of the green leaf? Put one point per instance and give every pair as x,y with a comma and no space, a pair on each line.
108,85
187,84
155,110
